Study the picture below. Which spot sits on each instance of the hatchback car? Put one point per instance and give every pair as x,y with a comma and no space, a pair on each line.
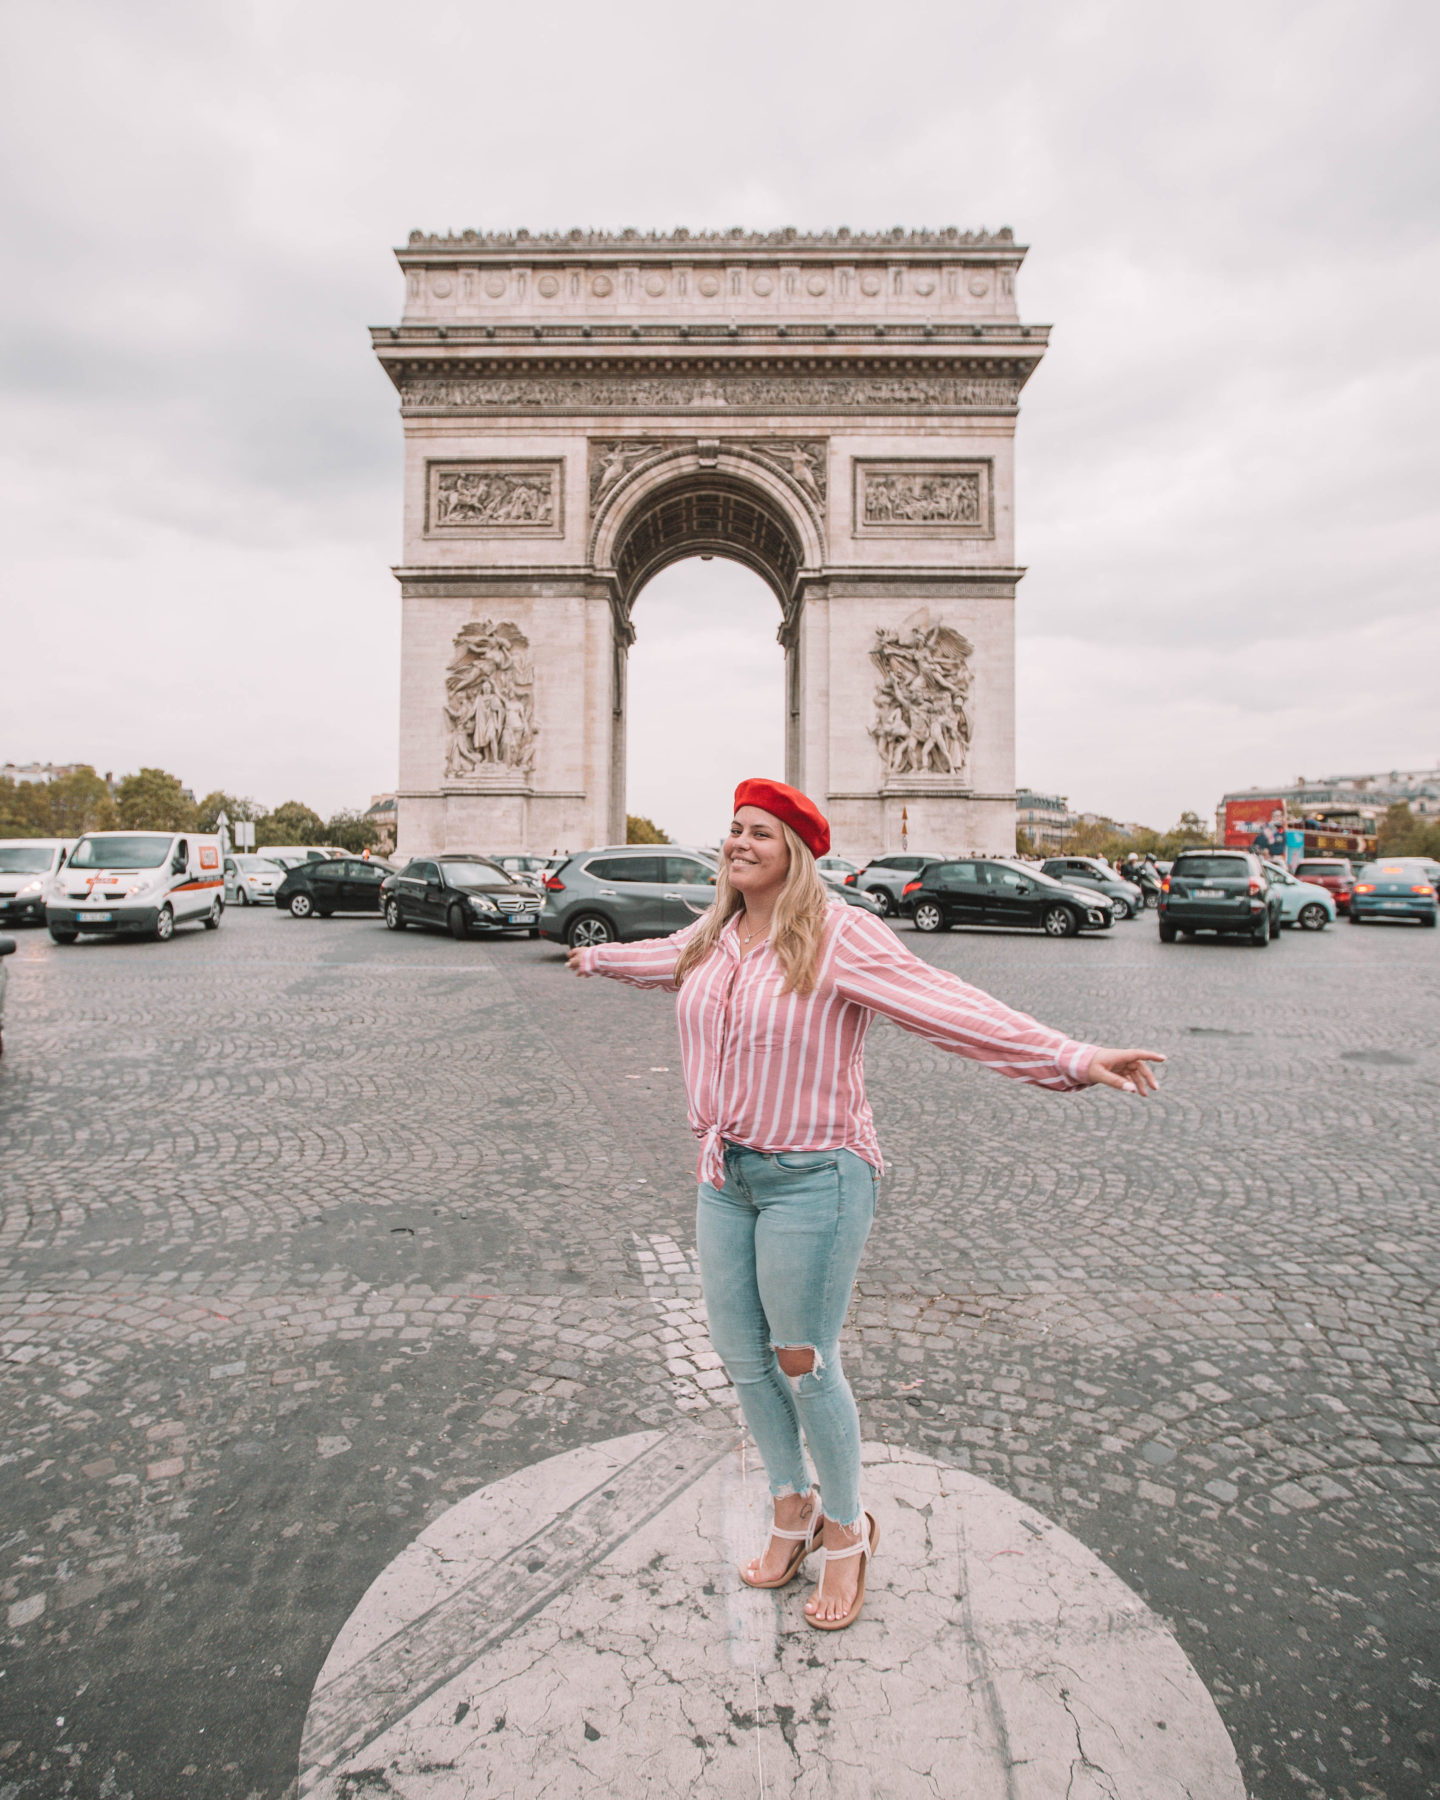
1092,872
991,892
464,895
836,870
1225,891
1302,903
886,877
624,892
249,880
1397,887
342,884
28,871
1333,873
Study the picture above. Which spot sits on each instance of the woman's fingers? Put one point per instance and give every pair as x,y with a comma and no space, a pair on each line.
573,963
1128,1071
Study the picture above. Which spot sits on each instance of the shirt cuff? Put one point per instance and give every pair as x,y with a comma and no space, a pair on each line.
1076,1062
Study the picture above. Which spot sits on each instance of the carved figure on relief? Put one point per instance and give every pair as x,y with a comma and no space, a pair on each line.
613,461
921,723
475,497
803,462
489,700
915,499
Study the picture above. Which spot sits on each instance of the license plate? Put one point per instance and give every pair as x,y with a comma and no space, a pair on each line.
1209,894
522,918
1395,905
94,918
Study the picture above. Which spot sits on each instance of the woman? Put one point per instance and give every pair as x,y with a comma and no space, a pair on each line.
778,984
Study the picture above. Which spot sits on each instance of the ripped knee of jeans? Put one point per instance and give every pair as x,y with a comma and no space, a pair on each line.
799,1359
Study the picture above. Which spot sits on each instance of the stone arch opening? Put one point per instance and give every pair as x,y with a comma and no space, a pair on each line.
706,513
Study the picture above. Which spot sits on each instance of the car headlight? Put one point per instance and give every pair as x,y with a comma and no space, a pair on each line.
30,887
481,904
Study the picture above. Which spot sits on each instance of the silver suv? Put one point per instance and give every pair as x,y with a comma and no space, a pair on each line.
625,891
885,879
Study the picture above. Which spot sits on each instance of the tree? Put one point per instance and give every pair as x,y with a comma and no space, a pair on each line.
234,808
352,831
154,800
643,831
71,804
290,823
1404,833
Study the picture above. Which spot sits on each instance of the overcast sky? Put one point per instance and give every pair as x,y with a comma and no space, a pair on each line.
1227,461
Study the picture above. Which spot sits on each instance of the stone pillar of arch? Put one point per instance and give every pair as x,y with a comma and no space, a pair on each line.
835,411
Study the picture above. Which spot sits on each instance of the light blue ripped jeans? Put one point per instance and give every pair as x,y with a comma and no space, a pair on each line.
779,1246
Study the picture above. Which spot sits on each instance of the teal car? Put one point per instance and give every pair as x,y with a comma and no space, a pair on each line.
1397,887
1302,903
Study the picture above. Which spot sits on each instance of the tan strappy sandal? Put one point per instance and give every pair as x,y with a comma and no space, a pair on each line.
865,1547
804,1542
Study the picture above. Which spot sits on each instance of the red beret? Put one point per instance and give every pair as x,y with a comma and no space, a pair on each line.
798,811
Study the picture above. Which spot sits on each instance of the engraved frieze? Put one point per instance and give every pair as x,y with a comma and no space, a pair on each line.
922,499
494,499
922,724
612,459
743,393
802,460
489,701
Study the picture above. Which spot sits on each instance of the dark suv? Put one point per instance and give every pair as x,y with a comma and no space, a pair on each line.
1225,891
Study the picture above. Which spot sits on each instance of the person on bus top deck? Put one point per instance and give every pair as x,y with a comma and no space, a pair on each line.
777,984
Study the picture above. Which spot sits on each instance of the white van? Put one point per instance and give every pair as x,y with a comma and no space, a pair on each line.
145,881
28,868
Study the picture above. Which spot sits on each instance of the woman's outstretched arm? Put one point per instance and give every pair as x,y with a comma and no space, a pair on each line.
648,964
874,969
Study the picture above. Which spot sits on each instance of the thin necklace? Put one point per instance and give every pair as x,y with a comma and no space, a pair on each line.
750,936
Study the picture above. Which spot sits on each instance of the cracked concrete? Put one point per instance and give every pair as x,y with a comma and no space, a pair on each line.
996,1658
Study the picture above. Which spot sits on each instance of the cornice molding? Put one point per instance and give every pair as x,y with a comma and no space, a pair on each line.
708,244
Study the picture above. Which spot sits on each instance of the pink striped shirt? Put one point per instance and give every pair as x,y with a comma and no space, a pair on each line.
774,1071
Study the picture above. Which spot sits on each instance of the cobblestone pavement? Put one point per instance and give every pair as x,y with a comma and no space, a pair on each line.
309,1229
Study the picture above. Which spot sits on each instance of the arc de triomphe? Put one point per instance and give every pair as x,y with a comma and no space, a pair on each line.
835,411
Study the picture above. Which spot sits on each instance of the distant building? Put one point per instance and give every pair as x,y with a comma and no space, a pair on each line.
1365,797
383,814
1046,819
45,772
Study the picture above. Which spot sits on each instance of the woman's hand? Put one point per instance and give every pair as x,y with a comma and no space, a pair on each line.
572,963
1127,1070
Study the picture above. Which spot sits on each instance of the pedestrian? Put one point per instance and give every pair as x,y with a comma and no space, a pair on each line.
778,984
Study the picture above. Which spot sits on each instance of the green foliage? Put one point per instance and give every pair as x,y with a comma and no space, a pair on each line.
154,800
1104,838
351,831
234,808
75,803
1404,833
290,823
643,831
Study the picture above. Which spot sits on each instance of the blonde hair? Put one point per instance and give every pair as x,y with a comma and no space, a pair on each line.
797,929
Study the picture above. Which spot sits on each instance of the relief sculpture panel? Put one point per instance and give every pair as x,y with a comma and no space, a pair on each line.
922,719
493,499
923,499
489,701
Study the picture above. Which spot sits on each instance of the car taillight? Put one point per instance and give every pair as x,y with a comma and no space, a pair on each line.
912,887
1256,887
1165,885
1364,887
1422,887
849,881
555,884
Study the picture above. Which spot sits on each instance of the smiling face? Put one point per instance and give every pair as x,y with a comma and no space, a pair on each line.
757,858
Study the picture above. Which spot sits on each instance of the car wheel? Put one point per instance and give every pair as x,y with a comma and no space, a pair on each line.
885,900
242,894
394,918
301,906
1122,908
1153,902
62,936
1260,934
588,931
928,917
457,923
1059,921
214,916
164,927
1312,917
1167,933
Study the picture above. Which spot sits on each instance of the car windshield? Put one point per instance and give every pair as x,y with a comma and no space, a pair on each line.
1211,868
258,865
120,852
476,874
15,860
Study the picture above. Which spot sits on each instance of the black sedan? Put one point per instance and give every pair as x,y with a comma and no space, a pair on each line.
986,892
464,894
344,884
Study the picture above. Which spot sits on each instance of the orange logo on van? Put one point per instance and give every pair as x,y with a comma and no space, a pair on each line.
209,857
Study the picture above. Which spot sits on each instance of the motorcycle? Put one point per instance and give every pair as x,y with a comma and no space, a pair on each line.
1148,882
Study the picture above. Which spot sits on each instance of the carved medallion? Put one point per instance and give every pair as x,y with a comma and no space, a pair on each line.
494,499
489,701
922,726
923,499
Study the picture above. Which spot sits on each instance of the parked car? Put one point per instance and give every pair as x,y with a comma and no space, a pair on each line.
464,894
992,891
626,891
836,870
1128,897
1225,891
28,871
7,948
251,879
885,877
1333,873
532,866
137,881
1302,903
290,856
1396,887
329,885
853,897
